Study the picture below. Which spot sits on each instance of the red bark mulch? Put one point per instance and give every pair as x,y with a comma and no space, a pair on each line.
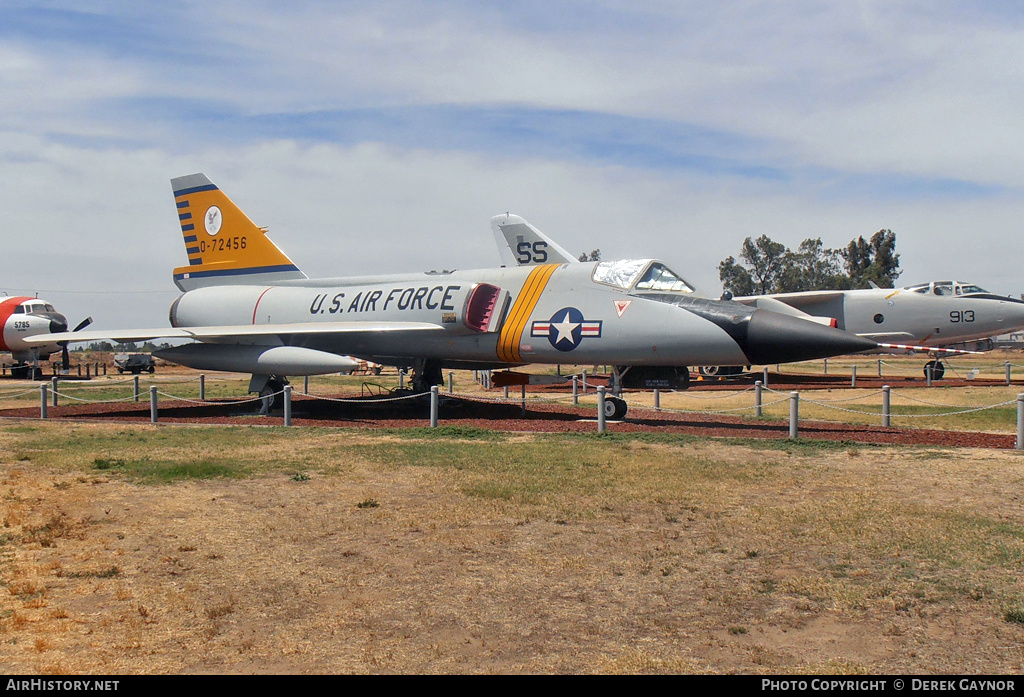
508,417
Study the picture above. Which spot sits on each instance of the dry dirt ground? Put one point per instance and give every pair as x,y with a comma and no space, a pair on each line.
372,569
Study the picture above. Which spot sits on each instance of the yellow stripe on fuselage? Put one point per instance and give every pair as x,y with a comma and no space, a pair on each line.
519,315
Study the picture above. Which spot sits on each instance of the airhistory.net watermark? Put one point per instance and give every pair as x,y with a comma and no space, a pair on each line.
62,685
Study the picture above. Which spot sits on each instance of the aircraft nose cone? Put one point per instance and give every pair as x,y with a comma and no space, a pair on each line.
58,324
776,338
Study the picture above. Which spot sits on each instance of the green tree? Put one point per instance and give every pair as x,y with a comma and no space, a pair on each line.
813,267
735,279
767,262
771,267
873,261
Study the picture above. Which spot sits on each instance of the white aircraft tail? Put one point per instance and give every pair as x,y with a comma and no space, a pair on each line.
224,247
521,244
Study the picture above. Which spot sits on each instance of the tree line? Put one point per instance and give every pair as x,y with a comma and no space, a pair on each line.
771,267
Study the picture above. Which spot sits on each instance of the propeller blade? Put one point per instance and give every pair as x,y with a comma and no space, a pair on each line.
83,324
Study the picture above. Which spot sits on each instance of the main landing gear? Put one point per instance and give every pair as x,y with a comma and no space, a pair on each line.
269,389
615,408
426,374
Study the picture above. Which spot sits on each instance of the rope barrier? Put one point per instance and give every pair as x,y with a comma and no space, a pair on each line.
536,399
826,402
219,401
956,413
19,394
704,411
924,401
129,398
725,396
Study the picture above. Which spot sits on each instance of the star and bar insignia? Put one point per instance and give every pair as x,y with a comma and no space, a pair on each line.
566,329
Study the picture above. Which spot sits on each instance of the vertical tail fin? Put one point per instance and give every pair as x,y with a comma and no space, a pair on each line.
224,247
521,244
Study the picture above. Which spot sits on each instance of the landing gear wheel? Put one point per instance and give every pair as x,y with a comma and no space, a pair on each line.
721,370
615,408
938,370
426,374
269,395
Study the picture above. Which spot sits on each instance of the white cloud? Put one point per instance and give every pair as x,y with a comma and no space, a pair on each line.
858,90
103,221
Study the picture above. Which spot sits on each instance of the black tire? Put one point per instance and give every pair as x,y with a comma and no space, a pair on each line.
615,408
938,369
720,370
269,397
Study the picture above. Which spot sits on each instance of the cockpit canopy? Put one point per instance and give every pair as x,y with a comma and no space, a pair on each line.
947,288
640,275
33,307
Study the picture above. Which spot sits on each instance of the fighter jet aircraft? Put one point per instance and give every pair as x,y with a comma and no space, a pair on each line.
934,316
23,318
250,309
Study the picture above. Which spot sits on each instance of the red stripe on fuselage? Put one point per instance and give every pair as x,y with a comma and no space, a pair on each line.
6,310
257,305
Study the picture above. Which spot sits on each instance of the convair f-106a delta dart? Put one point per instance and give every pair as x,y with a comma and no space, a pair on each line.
925,317
248,308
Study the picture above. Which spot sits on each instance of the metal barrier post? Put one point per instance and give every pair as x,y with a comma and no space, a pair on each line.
826,366
583,385
1007,373
305,384
757,398
928,373
433,406
523,397
202,386
135,380
1020,421
657,399
853,377
401,379
575,390
879,367
287,405
886,414
600,409
152,404
505,391
42,401
764,378
54,380
451,377
794,415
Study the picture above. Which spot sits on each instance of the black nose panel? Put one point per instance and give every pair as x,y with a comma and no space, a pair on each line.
775,338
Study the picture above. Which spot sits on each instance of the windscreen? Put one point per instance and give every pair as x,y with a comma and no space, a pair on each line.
644,275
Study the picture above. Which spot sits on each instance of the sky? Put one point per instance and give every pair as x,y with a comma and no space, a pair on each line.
382,136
